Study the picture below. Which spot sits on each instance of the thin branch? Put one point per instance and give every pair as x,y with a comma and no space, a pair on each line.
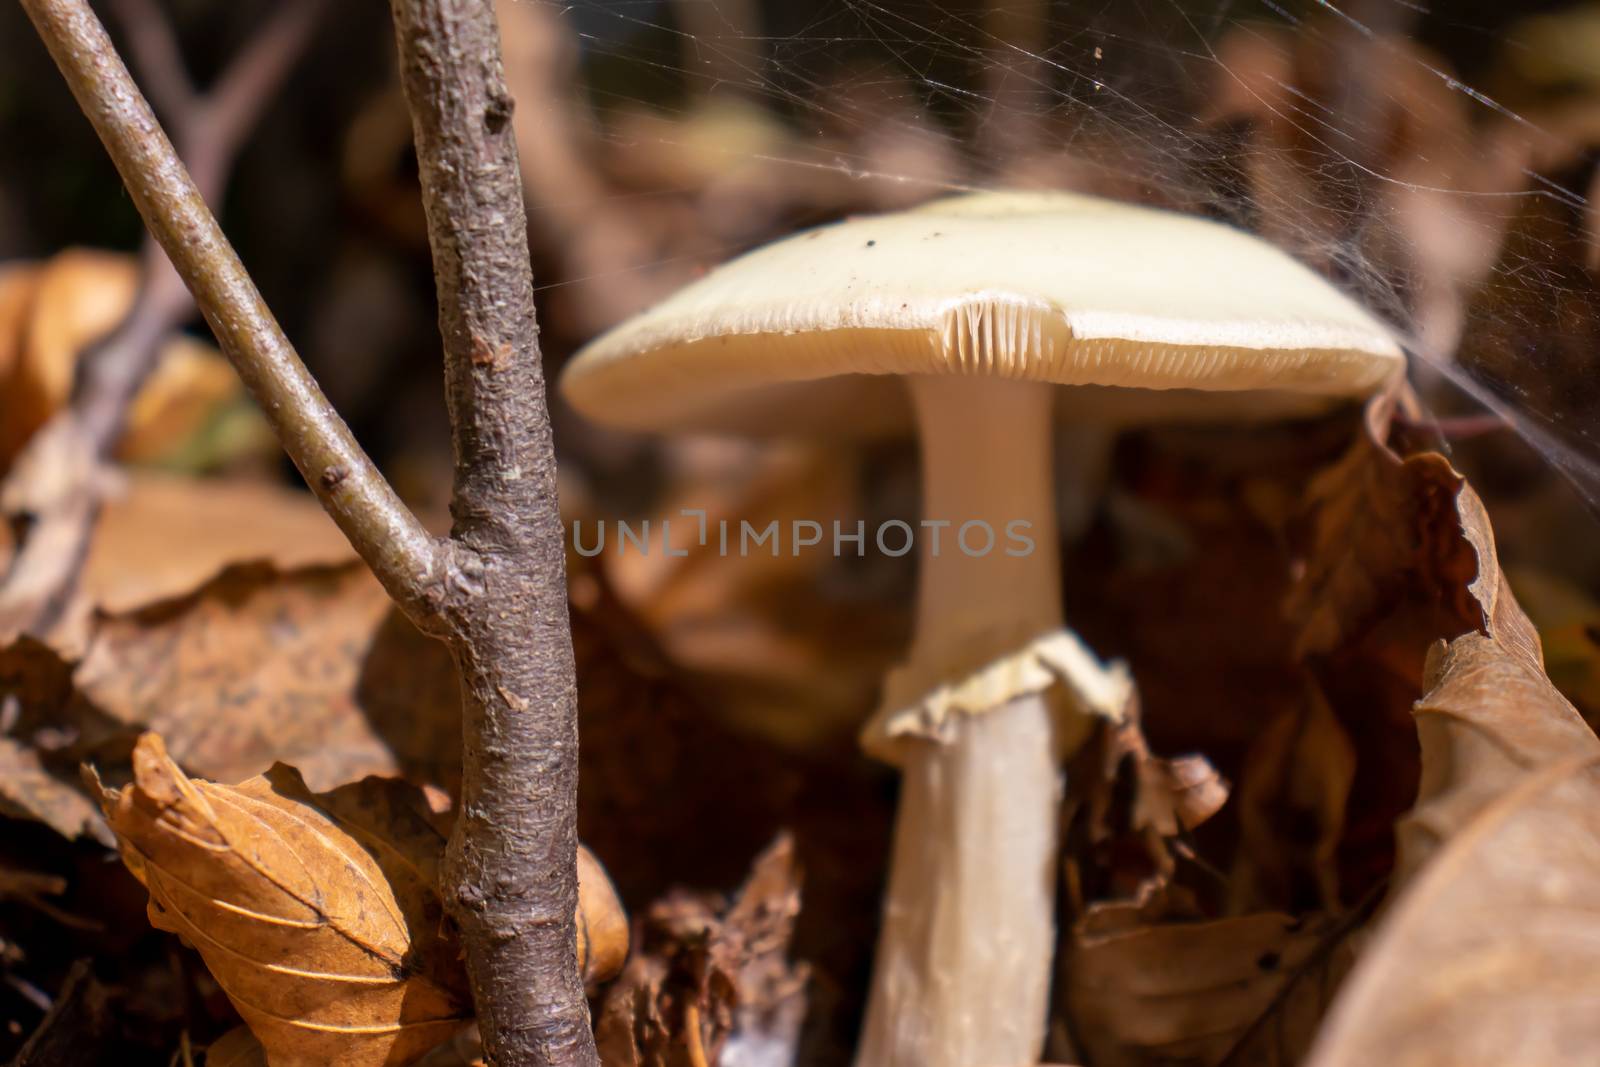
510,875
390,539
153,46
497,591
207,129
231,106
53,492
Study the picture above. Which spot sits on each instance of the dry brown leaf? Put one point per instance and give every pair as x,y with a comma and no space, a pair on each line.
236,1048
1292,798
1387,536
1124,810
33,681
29,791
1400,557
1481,957
77,297
311,665
18,280
712,980
164,535
1490,954
318,915
1490,719
1188,992
259,665
161,536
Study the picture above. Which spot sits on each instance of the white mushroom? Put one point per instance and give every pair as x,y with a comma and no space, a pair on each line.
982,304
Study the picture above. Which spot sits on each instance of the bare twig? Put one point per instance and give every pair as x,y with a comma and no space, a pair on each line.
497,591
53,491
510,875
153,46
390,539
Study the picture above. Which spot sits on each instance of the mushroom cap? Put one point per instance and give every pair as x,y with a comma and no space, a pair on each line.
1156,310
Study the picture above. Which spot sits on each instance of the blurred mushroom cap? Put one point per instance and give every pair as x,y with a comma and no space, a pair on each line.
810,331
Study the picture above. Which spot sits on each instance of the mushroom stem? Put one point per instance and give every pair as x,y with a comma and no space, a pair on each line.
963,967
991,579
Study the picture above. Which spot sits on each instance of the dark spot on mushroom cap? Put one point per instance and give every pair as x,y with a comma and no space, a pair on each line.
871,243
1268,961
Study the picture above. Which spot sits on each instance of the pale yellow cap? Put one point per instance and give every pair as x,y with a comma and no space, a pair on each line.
1049,287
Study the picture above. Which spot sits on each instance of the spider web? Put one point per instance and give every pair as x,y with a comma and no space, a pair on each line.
1434,159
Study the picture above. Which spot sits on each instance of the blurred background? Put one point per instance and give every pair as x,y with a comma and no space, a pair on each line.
1432,157
1435,160
1438,161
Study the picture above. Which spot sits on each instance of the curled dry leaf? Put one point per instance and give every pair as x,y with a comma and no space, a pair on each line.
32,678
1400,560
712,981
1387,539
236,1048
54,311
1124,811
1292,799
1482,956
28,790
1399,556
318,915
1490,954
602,924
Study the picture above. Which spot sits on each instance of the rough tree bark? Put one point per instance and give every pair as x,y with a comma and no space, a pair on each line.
495,591
509,872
